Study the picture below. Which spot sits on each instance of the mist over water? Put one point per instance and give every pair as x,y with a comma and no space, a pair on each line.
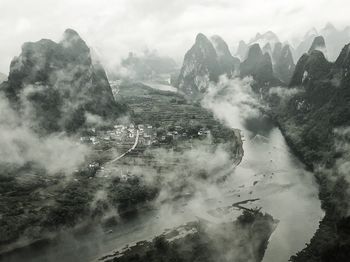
269,170
286,190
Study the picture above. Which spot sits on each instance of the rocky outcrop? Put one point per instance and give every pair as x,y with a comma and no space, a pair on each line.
251,64
259,66
342,67
228,63
335,39
3,77
267,49
283,64
305,43
343,60
242,50
200,67
318,44
312,66
54,84
276,53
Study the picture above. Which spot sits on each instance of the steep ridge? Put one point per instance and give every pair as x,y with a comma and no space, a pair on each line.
276,53
242,50
3,77
284,64
200,66
204,63
259,66
335,39
305,43
267,49
314,121
56,84
312,66
318,44
228,63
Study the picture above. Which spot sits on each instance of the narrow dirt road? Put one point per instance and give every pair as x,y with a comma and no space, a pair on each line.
129,150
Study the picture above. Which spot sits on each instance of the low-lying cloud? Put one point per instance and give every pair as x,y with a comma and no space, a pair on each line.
19,144
232,100
284,93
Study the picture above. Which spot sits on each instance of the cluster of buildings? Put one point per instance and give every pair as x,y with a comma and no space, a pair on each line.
89,140
122,134
136,135
204,132
147,134
179,132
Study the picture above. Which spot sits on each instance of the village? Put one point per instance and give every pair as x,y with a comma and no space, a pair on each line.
124,135
131,139
163,120
120,135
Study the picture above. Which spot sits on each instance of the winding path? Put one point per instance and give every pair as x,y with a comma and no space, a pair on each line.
129,150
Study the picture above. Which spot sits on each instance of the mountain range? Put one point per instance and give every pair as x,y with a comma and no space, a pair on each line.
208,59
334,39
266,41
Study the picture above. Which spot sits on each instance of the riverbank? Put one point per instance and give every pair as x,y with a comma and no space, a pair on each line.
331,241
331,238
244,239
269,171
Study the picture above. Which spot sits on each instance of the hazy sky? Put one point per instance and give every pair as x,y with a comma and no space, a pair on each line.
114,27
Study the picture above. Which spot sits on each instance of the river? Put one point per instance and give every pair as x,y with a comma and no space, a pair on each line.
286,189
